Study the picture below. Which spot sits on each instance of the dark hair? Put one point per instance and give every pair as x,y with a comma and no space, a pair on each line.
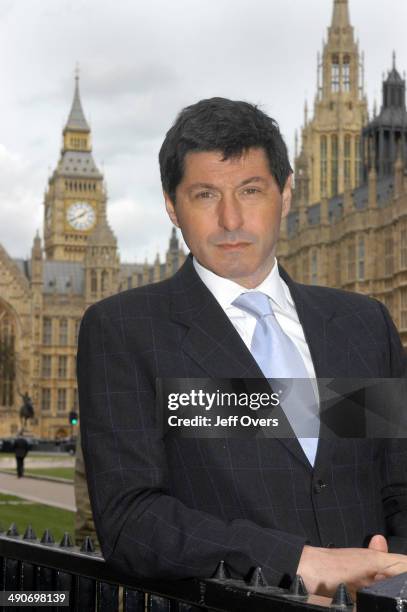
219,124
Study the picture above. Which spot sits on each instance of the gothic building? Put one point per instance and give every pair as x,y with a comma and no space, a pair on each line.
348,224
42,299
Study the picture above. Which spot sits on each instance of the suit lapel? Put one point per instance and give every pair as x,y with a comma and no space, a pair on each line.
211,340
215,345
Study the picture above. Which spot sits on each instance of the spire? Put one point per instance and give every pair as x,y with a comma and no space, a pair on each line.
340,15
174,245
76,120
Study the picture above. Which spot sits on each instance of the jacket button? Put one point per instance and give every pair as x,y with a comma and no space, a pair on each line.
319,486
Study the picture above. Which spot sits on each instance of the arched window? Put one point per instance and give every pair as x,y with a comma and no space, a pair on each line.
346,73
324,165
7,358
335,73
347,160
357,161
63,332
314,268
334,164
93,282
104,280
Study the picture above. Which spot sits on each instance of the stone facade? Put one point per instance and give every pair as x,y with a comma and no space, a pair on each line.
42,299
348,224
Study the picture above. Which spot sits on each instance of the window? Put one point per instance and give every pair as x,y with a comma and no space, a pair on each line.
388,256
46,399
61,403
357,161
314,268
335,73
47,331
46,366
403,248
347,161
93,282
346,73
324,165
62,366
334,164
63,332
7,358
361,258
351,262
104,281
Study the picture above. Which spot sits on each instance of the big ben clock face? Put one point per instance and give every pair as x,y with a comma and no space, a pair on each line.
81,216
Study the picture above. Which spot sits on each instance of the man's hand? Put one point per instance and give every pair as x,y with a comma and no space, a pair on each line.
322,569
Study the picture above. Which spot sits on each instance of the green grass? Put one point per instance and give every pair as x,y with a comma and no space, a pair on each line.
57,472
52,472
40,516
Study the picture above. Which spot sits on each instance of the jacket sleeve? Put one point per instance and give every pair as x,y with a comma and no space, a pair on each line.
394,468
142,528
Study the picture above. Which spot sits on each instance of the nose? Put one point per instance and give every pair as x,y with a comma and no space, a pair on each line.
230,215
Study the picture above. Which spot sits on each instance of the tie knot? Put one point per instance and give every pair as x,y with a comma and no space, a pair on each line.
255,303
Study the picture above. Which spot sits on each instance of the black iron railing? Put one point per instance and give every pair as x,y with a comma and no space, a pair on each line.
27,564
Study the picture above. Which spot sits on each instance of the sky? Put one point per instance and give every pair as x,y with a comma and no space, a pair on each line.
141,62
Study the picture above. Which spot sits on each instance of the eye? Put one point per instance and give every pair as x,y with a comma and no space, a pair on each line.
251,190
204,195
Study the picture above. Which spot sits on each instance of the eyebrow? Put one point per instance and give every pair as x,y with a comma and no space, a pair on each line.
252,179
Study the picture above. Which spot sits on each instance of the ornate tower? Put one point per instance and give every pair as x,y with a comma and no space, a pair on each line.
76,196
330,153
385,137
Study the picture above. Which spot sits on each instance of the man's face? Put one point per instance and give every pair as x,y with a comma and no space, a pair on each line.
229,213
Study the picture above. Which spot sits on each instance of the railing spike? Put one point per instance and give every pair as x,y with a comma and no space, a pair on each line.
256,578
29,533
342,599
66,541
12,531
221,572
47,537
298,588
87,545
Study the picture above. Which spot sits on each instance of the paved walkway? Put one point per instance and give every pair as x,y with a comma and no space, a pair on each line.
55,494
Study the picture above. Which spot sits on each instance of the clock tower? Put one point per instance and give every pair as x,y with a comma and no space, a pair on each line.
76,196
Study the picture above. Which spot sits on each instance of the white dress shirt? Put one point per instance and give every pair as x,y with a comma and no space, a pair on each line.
226,291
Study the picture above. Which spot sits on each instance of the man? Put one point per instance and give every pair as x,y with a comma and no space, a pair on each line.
173,507
20,447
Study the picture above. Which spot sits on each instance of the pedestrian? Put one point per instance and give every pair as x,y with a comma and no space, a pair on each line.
20,448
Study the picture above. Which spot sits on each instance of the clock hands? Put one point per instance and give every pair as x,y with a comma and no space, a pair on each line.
78,216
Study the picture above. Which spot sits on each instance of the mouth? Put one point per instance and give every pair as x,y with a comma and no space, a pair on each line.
233,246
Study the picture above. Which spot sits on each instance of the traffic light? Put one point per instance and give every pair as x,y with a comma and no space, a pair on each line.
73,417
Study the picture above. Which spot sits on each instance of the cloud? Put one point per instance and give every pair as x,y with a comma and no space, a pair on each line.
18,203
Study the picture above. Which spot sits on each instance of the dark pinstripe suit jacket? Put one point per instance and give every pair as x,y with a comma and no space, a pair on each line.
174,507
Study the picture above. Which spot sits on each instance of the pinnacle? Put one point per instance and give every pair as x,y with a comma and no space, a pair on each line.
76,120
340,16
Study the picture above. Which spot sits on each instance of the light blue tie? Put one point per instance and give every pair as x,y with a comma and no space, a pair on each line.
278,357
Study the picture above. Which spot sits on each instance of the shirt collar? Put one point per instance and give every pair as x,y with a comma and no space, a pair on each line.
226,290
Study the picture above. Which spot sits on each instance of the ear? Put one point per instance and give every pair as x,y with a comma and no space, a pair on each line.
287,196
170,206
